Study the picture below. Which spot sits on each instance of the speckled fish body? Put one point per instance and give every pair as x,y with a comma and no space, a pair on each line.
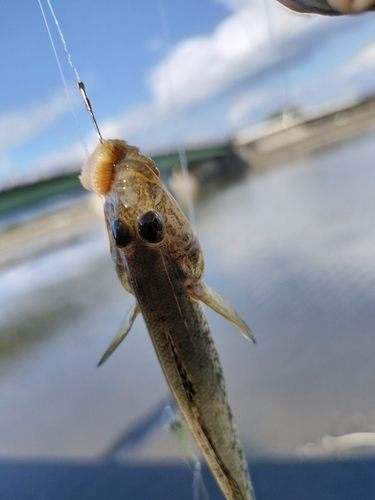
158,259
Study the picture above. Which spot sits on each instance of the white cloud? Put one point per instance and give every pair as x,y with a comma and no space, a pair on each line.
200,67
130,126
21,125
363,60
358,72
367,55
60,161
131,122
195,69
244,104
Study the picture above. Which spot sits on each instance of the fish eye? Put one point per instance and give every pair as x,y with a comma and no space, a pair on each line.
151,227
121,234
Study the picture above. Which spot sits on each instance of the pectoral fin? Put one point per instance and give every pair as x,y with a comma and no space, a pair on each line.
215,301
125,327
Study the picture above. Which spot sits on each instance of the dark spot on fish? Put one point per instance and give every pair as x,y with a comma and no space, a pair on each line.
121,234
194,256
151,227
186,382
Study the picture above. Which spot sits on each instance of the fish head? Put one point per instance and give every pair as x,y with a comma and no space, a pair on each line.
141,215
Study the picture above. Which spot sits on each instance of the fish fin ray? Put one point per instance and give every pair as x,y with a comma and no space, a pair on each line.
215,301
124,329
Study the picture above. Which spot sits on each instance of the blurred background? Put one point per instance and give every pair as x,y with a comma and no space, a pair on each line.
276,115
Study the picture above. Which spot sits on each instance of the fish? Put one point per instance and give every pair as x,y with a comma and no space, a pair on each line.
329,7
159,260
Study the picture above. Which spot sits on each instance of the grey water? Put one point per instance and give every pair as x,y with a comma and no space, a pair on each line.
292,248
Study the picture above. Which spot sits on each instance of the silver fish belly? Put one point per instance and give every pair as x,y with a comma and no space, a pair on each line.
159,260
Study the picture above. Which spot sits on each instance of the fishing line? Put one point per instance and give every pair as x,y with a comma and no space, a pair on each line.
199,489
63,41
81,85
60,68
180,148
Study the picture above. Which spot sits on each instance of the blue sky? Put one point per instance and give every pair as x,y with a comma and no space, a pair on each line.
166,72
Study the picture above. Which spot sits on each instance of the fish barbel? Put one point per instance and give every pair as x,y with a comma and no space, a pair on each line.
159,260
